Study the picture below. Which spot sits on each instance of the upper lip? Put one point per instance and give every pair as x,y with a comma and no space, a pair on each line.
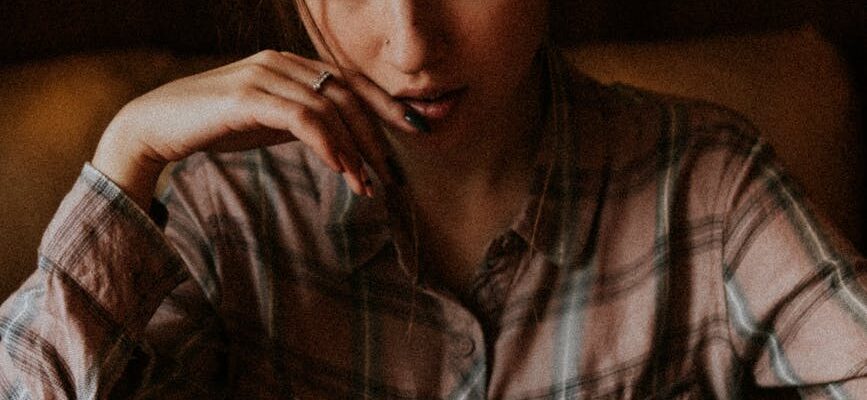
426,93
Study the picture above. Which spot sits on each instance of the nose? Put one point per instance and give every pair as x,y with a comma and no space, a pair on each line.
417,37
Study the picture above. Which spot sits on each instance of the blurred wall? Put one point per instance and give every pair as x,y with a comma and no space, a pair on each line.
35,29
44,28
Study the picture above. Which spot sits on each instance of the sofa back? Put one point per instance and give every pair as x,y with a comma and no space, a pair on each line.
792,83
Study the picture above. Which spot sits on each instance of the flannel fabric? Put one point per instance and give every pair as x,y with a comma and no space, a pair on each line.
662,253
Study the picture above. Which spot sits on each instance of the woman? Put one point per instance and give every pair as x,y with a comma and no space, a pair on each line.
501,227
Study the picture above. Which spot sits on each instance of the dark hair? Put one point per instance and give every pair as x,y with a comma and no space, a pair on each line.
249,26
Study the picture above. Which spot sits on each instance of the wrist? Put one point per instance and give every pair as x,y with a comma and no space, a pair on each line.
120,159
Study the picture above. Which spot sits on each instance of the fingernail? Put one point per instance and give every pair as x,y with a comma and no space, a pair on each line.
341,159
416,120
366,182
395,171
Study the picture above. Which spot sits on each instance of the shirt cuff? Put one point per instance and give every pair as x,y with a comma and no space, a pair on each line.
112,249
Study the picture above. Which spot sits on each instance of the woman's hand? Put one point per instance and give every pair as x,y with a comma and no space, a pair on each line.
262,100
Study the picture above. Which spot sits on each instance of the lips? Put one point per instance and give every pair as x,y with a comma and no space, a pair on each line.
434,104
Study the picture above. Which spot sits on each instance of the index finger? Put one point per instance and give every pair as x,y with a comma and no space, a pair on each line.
355,111
387,107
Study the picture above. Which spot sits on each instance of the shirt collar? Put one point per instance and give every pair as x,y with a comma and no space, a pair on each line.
558,219
359,227
561,215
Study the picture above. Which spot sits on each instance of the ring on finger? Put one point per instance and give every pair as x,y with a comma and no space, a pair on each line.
320,80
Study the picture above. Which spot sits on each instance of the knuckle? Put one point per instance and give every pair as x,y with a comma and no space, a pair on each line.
241,97
327,144
344,98
247,76
324,106
324,144
304,116
396,109
254,71
330,108
268,56
294,58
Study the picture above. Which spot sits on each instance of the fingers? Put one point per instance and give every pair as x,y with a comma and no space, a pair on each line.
385,106
363,130
366,134
282,116
272,96
321,129
343,113
390,110
372,98
343,119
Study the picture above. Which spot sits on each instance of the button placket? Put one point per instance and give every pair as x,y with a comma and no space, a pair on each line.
500,248
494,283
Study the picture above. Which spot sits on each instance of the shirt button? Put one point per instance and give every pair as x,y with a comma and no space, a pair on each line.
466,346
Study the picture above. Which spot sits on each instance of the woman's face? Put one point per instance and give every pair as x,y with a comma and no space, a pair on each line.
459,63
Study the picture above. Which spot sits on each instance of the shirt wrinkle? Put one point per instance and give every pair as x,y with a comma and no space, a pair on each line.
624,276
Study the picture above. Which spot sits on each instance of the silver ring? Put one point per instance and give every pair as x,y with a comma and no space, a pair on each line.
320,80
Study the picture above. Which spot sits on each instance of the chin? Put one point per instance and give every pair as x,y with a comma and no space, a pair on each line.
449,135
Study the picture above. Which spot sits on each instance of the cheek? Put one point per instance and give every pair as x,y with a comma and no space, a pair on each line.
349,31
354,51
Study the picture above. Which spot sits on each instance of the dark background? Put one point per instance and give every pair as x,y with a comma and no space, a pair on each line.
39,28
43,28
36,29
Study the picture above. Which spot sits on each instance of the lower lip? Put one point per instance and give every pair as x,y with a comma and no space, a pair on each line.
439,108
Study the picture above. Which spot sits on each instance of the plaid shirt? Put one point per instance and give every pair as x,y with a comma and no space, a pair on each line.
662,254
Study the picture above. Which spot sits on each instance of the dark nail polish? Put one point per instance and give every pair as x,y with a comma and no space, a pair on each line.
395,171
416,120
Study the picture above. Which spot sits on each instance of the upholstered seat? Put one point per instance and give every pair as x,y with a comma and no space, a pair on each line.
792,84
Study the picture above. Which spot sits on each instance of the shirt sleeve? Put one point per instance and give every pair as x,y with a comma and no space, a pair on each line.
795,288
110,311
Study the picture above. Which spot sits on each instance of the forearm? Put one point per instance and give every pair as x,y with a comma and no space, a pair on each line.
104,269
120,157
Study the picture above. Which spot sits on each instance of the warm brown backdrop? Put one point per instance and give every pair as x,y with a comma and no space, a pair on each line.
47,27
66,66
